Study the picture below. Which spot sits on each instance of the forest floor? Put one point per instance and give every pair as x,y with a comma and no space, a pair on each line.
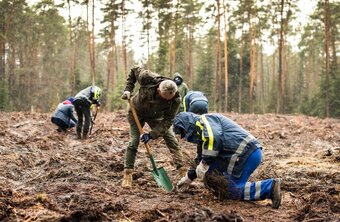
50,176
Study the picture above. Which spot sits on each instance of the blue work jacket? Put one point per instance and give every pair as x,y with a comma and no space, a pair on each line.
223,142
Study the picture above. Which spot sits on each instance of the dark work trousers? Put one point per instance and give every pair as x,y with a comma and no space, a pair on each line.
61,124
82,108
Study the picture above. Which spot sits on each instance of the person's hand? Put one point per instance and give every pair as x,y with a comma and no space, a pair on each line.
146,137
126,95
201,169
183,183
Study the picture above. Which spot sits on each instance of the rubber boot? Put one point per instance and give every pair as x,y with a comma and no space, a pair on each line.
127,179
78,135
85,136
276,196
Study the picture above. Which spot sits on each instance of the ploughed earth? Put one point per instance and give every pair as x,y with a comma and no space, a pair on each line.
50,176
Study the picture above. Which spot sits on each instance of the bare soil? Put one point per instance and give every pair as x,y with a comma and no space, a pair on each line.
50,176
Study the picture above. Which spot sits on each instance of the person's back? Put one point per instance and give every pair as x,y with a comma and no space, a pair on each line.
195,102
63,115
147,102
89,94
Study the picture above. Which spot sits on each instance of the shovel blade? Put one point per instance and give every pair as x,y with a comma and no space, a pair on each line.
162,179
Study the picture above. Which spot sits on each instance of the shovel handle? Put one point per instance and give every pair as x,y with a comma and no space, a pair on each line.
93,119
140,128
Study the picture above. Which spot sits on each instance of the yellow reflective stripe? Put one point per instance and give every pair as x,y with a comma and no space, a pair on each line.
184,104
203,138
201,127
210,133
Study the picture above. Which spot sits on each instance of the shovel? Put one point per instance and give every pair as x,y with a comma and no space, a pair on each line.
159,174
94,119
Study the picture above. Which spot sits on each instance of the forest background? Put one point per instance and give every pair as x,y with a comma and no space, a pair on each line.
217,46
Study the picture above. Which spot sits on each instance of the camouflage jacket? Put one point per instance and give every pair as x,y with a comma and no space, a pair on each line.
148,104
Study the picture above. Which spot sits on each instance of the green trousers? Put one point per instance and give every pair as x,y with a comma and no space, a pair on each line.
169,138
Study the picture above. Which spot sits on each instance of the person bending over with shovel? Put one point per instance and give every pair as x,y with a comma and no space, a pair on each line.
156,103
83,102
228,156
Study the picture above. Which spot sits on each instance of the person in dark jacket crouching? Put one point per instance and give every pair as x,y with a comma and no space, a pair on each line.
63,115
228,156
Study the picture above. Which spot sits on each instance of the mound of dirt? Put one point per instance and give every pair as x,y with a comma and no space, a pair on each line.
46,175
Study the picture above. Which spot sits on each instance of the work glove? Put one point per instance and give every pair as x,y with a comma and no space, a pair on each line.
201,169
126,95
183,183
145,138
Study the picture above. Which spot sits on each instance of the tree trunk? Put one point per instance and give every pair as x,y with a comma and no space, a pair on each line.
93,48
262,94
191,40
219,65
89,42
2,53
72,83
252,59
241,62
187,55
327,59
225,59
111,61
308,68
124,38
279,105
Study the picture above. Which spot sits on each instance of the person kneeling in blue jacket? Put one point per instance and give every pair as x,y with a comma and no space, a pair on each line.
63,115
229,152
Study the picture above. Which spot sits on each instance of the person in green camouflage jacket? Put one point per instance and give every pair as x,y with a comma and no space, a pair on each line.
182,88
156,103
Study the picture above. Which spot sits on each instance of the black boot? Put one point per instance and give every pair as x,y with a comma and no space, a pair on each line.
276,193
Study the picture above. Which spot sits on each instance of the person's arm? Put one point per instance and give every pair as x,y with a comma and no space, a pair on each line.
186,89
72,116
132,79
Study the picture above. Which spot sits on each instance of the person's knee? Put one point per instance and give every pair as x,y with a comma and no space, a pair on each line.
132,147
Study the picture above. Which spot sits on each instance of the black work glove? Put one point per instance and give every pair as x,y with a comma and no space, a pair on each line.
145,138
